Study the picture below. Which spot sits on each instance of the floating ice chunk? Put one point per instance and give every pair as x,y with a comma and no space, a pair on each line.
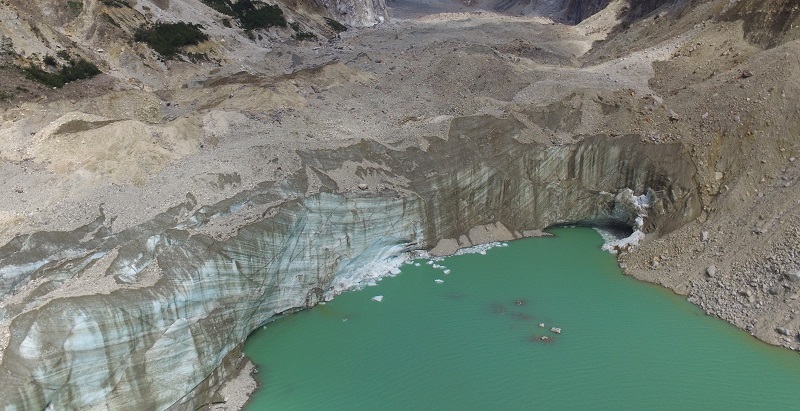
377,298
437,266
429,262
541,325
438,281
417,264
447,271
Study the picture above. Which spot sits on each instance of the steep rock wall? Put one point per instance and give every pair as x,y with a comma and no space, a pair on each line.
139,318
766,24
356,12
576,11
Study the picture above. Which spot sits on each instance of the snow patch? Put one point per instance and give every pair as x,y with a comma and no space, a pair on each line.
641,204
624,244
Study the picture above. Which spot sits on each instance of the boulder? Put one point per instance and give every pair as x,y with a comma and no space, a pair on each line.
793,275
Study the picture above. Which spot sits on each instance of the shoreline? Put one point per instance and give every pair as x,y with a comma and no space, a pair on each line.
236,392
243,384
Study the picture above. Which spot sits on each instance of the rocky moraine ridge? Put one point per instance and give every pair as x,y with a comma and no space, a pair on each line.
159,211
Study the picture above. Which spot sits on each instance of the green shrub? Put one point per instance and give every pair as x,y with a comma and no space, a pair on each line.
6,46
305,35
79,70
222,6
195,57
253,16
115,3
75,6
48,79
335,25
227,23
49,60
76,70
169,38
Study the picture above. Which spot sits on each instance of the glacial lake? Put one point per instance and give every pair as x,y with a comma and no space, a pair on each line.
473,341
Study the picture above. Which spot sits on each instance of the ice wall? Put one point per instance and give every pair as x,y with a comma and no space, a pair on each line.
144,318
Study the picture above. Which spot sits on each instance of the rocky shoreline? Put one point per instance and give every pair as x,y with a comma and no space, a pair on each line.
236,392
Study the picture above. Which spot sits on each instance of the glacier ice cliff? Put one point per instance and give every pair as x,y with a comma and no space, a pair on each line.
153,316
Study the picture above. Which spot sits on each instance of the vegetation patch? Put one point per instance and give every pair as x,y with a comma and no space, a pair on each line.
301,35
114,3
168,39
305,35
75,6
251,15
197,57
335,25
222,6
6,46
75,70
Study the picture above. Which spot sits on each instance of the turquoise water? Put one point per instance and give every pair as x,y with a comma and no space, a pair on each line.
473,342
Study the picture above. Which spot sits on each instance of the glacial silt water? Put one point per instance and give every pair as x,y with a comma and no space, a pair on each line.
473,341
